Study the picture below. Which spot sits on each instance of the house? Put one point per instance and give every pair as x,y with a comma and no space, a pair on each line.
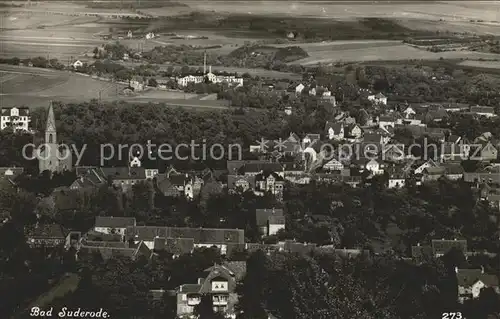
288,110
488,153
373,138
218,283
334,131
269,221
77,64
299,88
393,152
312,91
45,235
184,81
487,111
471,281
223,239
150,35
16,117
409,112
442,246
456,107
174,246
137,83
310,139
453,171
10,174
454,152
108,250
173,184
269,182
386,120
396,181
354,131
240,183
371,165
113,225
252,167
229,79
129,34
378,99
123,177
333,165
429,163
433,173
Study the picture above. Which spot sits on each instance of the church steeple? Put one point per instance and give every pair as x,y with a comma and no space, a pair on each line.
50,128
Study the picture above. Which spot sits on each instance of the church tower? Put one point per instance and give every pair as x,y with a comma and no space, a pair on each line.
52,157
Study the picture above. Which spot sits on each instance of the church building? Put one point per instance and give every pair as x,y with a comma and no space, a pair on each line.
52,156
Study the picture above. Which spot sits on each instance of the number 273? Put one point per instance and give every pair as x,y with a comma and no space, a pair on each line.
452,315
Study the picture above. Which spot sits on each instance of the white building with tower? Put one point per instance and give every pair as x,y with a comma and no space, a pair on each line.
212,78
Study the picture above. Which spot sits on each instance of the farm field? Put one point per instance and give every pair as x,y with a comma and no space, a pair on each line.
431,10
35,87
482,64
385,52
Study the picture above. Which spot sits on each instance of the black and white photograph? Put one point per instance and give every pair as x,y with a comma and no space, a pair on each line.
250,159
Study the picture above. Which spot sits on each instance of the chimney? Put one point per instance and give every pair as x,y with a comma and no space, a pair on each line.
482,270
456,270
210,69
205,63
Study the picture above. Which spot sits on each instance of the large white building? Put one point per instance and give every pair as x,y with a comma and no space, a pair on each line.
18,118
232,80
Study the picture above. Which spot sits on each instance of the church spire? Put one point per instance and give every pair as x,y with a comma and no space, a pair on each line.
51,121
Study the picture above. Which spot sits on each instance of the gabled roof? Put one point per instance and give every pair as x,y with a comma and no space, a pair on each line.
23,111
114,222
468,277
434,171
265,175
175,246
336,127
372,138
124,173
45,231
108,252
453,169
199,235
262,215
233,180
112,244
482,109
442,246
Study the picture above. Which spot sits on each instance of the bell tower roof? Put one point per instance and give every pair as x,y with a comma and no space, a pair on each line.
51,121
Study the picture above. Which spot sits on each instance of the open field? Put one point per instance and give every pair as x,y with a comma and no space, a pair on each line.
482,64
381,51
35,87
429,10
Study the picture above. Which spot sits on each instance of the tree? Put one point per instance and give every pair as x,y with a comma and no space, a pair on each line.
152,82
